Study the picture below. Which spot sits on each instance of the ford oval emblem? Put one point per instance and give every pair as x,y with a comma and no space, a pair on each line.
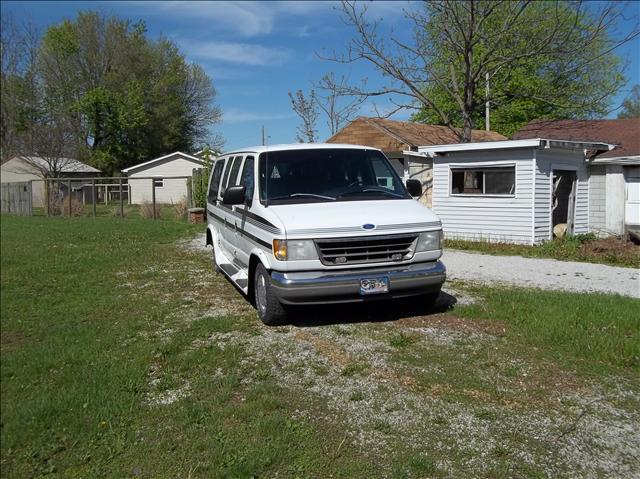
368,226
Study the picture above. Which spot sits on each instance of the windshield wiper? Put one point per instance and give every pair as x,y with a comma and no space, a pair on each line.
311,195
372,190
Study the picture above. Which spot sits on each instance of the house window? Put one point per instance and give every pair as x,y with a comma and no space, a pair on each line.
484,181
158,182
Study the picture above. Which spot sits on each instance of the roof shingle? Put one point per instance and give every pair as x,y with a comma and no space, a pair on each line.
398,135
624,133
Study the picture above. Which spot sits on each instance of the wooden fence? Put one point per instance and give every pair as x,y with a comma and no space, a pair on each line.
16,198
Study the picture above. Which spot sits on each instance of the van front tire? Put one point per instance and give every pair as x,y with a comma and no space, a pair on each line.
270,310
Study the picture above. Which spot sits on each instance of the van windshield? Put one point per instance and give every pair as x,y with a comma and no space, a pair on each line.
302,176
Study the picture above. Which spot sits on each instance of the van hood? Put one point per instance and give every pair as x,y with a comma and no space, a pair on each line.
345,218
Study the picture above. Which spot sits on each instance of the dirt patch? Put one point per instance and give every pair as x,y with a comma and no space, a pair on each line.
621,249
11,338
455,323
350,369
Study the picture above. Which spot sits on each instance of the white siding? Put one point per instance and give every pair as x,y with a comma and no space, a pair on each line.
17,170
172,191
422,171
556,159
615,202
597,199
486,218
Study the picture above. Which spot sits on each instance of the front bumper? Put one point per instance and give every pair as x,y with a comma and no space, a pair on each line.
318,287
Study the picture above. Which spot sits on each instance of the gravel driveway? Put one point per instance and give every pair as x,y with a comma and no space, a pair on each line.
528,272
542,273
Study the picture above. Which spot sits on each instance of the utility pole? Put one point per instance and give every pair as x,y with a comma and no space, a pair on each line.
487,105
263,137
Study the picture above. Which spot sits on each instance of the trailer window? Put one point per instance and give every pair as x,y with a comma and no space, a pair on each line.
484,181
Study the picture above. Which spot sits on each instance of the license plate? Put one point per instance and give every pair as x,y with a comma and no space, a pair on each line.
374,285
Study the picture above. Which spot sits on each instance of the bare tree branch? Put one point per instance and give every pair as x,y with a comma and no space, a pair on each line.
456,44
306,108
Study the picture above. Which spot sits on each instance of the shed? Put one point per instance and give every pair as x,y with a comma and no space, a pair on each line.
400,140
511,191
614,176
167,190
34,168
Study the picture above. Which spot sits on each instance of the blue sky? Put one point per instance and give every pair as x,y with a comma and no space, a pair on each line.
256,52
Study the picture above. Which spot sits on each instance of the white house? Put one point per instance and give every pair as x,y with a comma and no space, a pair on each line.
512,191
33,168
157,174
614,176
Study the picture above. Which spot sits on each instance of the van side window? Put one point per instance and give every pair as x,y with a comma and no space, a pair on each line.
214,186
225,178
233,177
247,179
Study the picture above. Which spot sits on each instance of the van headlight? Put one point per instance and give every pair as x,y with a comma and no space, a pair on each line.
294,250
429,241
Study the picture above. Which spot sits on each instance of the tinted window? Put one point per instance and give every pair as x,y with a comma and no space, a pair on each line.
226,176
328,175
233,177
247,179
215,181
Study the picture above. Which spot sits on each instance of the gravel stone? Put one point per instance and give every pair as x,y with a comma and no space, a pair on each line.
542,273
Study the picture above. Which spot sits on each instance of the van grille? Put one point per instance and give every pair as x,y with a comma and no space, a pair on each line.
375,249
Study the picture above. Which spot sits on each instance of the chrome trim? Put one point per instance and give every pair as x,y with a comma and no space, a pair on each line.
315,287
364,249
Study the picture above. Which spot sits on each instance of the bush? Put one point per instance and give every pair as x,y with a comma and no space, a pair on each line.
201,180
115,212
181,208
146,210
59,206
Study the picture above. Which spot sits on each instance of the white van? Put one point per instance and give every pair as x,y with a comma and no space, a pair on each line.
320,223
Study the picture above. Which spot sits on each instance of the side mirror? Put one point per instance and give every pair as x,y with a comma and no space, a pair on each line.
233,195
414,187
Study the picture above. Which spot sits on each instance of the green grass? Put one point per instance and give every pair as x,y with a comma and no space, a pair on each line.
76,355
599,328
583,247
102,320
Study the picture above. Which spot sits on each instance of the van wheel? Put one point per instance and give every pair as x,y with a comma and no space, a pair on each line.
270,310
214,263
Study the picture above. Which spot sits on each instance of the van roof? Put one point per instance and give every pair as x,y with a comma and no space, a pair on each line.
297,146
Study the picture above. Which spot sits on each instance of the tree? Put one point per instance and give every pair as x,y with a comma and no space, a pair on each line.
339,109
126,98
19,86
631,105
549,57
307,109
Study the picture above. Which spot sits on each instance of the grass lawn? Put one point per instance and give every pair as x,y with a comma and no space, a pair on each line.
123,355
612,251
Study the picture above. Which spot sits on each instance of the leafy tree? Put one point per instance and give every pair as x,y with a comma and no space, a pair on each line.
631,105
127,98
200,182
549,59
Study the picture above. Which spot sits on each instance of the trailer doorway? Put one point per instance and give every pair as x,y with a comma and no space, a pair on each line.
563,200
